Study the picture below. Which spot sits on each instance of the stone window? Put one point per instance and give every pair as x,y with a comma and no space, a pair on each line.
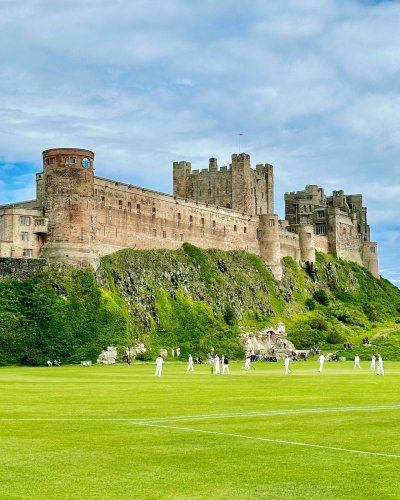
27,252
271,222
129,206
154,232
181,237
191,220
372,249
49,179
202,221
320,229
24,236
164,234
235,227
245,230
153,212
40,222
138,208
308,236
120,204
103,199
303,219
25,220
258,233
262,194
69,160
320,214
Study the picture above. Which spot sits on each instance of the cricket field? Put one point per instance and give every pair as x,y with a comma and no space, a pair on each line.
118,432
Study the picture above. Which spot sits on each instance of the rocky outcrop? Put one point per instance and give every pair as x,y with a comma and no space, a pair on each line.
108,356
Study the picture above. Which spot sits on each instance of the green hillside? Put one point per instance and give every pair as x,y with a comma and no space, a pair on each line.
192,299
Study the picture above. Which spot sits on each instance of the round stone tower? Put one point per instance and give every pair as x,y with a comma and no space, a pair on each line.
69,205
270,248
306,242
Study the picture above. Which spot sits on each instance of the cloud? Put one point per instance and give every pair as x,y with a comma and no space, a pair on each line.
312,84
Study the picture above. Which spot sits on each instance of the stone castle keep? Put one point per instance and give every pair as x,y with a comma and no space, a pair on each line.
77,216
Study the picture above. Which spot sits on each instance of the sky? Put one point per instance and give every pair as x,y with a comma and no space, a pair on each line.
313,86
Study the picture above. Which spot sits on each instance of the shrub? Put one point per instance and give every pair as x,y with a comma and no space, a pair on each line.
321,297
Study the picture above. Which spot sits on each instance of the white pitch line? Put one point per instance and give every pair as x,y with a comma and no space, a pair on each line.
270,413
207,416
269,440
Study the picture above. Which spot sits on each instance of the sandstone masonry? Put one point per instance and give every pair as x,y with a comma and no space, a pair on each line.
77,216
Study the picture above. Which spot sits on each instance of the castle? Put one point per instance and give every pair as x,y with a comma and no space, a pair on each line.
77,216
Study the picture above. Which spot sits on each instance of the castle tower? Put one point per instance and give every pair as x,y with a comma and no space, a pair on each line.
306,242
181,172
69,205
242,201
270,248
370,257
264,191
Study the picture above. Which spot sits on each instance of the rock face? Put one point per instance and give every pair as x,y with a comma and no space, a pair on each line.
270,340
108,356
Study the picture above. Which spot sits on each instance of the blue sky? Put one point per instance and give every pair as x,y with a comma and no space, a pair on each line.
312,84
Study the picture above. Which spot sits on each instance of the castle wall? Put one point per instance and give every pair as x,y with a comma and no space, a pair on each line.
129,216
321,244
289,244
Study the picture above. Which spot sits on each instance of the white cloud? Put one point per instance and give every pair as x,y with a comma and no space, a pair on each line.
313,84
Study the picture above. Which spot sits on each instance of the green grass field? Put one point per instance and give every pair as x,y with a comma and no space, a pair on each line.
118,432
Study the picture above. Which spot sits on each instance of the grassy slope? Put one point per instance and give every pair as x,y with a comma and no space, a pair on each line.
192,299
59,314
116,459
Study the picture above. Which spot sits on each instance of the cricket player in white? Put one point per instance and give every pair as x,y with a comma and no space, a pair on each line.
286,363
380,365
216,365
321,361
356,361
373,359
190,364
159,363
247,364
